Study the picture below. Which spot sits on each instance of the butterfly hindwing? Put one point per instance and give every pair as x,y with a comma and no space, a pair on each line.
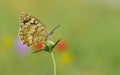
32,31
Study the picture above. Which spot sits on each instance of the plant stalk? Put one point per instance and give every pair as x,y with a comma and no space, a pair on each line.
54,63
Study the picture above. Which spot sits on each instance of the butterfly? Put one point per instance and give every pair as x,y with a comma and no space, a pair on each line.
32,31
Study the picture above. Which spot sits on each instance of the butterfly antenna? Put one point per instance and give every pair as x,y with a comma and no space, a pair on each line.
50,34
54,29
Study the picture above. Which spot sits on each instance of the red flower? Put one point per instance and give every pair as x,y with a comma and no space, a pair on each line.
62,45
38,46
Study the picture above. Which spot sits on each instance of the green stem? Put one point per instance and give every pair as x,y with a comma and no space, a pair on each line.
54,63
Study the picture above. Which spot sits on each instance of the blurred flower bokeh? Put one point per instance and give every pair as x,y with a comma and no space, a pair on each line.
21,49
62,46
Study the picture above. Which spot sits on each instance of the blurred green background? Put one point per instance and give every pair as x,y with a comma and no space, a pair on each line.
90,28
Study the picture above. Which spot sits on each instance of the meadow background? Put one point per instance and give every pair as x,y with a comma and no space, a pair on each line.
89,28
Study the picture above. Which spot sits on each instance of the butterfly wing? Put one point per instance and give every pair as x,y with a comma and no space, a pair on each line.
32,31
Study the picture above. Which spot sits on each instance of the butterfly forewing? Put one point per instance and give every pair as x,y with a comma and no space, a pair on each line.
32,31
